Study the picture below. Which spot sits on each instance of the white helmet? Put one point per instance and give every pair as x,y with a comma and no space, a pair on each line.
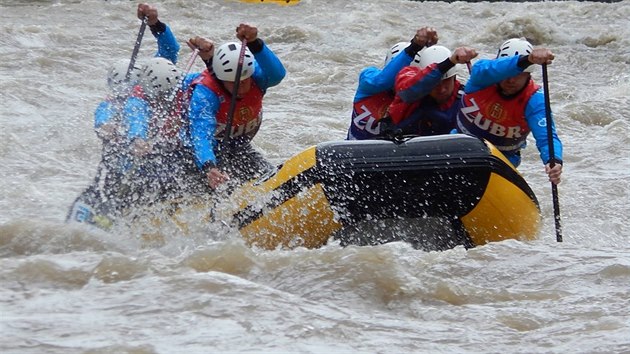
395,50
117,73
434,54
225,62
159,76
516,46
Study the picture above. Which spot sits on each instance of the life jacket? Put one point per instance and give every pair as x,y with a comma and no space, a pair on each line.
430,118
500,120
247,112
367,113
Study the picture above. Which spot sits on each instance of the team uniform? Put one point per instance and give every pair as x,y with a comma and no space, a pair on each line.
374,95
133,118
208,114
414,111
505,121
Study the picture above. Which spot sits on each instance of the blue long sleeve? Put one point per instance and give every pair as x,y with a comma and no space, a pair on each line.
269,70
204,106
373,80
167,44
536,117
104,113
486,72
136,112
184,133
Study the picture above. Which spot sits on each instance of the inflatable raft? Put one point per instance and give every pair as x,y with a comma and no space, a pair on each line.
335,186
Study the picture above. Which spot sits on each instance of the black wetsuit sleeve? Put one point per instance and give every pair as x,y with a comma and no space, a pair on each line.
255,46
523,62
445,66
413,48
158,28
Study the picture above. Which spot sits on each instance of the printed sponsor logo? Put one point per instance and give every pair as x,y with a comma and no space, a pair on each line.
473,114
366,121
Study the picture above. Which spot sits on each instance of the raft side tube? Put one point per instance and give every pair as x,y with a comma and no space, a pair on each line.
318,191
425,176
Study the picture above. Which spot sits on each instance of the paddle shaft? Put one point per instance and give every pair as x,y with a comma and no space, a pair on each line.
95,186
552,156
136,49
237,81
185,72
132,63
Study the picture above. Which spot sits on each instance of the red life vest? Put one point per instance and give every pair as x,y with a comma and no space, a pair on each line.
247,113
367,113
423,116
173,123
501,121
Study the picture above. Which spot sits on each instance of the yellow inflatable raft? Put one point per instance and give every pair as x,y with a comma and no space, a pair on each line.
334,186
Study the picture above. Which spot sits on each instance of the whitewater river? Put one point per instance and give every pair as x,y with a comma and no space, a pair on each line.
69,289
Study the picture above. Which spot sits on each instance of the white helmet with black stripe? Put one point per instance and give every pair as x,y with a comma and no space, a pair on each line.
516,46
117,73
434,54
159,76
225,62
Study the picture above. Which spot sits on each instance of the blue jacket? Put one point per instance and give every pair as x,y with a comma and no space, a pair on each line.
374,83
204,105
373,80
135,112
487,72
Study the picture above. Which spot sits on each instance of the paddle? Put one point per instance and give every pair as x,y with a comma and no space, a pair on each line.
130,68
237,81
185,72
552,160
79,210
136,48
